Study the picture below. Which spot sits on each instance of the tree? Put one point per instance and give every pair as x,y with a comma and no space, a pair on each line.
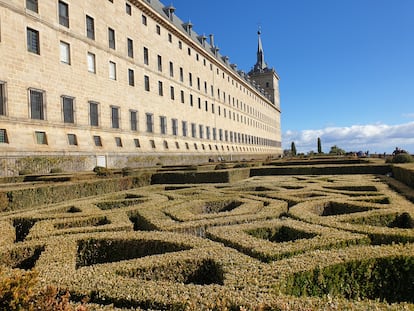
293,148
319,145
336,150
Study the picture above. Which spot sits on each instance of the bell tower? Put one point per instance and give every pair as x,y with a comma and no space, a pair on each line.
266,78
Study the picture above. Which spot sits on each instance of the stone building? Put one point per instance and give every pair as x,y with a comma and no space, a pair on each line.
124,83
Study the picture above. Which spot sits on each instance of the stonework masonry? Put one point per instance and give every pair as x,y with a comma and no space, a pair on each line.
116,81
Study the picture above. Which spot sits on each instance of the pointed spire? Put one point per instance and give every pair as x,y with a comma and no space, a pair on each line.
260,64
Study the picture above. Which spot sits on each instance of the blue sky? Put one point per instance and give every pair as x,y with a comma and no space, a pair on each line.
346,66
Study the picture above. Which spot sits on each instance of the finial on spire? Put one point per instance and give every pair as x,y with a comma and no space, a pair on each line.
260,65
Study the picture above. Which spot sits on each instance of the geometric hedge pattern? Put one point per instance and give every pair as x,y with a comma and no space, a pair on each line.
275,242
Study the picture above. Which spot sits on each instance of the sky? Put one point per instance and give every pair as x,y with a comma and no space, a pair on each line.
346,67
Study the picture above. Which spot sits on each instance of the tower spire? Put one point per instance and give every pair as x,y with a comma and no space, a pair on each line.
260,65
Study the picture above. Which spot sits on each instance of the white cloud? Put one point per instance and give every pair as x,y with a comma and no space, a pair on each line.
377,138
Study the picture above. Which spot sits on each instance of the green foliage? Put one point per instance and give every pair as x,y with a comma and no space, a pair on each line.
56,170
404,221
336,150
390,279
102,171
221,166
242,165
280,235
24,172
400,158
95,251
319,145
293,148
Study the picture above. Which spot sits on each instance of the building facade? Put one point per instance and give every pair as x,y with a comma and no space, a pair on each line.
126,80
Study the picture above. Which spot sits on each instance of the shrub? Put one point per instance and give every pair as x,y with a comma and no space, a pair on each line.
242,165
402,158
56,170
102,171
18,292
127,171
25,172
221,166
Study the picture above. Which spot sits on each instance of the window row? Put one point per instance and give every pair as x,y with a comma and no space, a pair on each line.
33,46
37,109
63,8
40,138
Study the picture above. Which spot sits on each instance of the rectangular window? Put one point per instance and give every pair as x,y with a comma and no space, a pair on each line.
37,105
131,77
198,83
181,74
68,109
159,63
93,114
193,130
160,89
180,45
171,69
130,45
3,136
201,131
208,132
91,62
65,52
158,29
2,98
111,38
63,14
144,20
133,116
184,127
137,143
90,27
214,133
152,144
72,140
221,134
41,138
115,117
172,93
150,122
128,9
163,125
170,38
146,56
190,78
165,144
174,123
191,100
182,97
112,70
118,141
32,5
33,44
97,140
146,83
